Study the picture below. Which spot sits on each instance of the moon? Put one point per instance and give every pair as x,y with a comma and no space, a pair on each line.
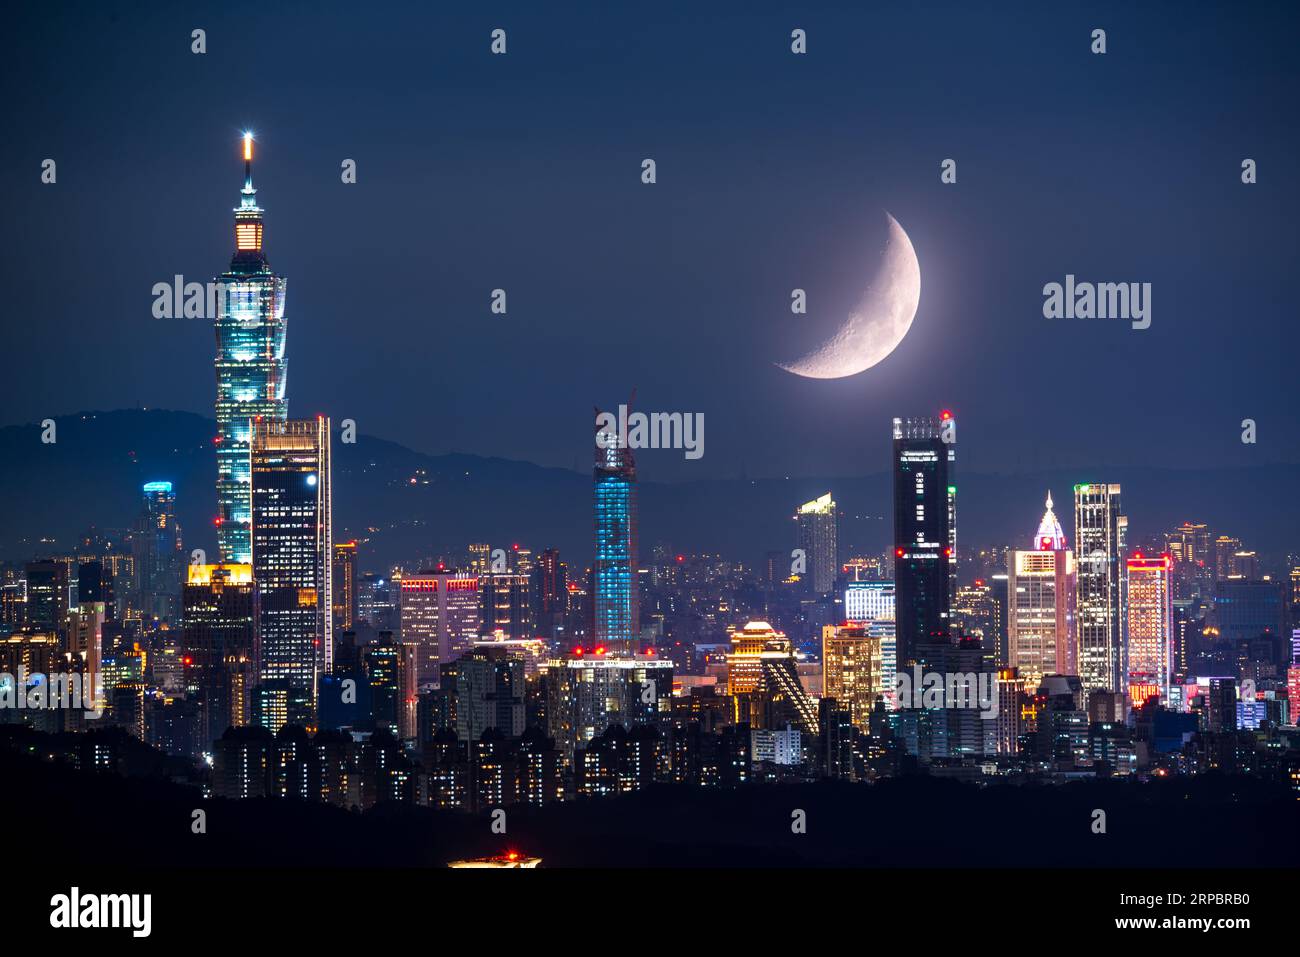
878,323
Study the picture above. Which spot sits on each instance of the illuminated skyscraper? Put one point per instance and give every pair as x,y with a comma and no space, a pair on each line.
853,670
345,586
1150,627
588,693
440,618
869,601
218,646
618,625
251,366
817,522
1189,546
1225,547
1041,596
925,536
762,673
158,553
1100,531
47,596
550,593
506,605
293,552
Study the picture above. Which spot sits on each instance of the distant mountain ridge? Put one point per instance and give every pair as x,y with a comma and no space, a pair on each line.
93,473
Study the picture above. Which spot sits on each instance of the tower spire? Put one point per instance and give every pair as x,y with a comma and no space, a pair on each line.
1050,535
248,163
248,215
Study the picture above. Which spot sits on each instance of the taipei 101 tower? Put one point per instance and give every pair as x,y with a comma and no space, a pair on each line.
251,367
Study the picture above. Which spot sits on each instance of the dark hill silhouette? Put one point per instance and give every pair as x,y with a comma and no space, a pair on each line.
93,474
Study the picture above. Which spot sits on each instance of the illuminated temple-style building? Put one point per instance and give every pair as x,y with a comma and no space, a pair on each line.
1040,604
250,363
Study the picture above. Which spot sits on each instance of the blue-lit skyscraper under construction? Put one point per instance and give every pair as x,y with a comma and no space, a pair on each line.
251,366
617,605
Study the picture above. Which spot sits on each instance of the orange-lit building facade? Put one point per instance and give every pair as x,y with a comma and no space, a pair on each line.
1150,626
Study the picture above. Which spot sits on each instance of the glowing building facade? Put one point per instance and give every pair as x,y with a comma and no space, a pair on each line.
817,522
1040,598
853,670
869,601
1100,531
1150,627
617,605
158,553
217,642
251,367
440,617
925,532
293,553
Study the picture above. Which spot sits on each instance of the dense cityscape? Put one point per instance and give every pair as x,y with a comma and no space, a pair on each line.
504,673
978,596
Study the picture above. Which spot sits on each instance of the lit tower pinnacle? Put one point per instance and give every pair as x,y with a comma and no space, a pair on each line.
250,364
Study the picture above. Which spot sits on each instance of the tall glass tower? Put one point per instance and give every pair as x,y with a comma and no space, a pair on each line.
293,556
925,536
1100,530
617,606
816,536
251,366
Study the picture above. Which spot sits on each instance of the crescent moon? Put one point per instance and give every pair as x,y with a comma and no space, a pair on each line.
879,322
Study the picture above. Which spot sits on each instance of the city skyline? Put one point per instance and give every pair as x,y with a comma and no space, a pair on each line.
290,627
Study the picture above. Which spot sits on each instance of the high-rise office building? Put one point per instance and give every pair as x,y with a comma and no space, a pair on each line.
817,522
1225,547
588,693
480,558
218,645
440,618
158,552
1100,530
1189,546
869,601
47,596
763,675
853,671
345,586
618,623
507,605
1245,609
550,594
390,671
293,552
1150,627
1040,598
485,688
1244,564
251,367
924,532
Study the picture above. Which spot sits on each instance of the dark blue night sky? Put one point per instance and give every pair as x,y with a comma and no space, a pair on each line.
523,172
